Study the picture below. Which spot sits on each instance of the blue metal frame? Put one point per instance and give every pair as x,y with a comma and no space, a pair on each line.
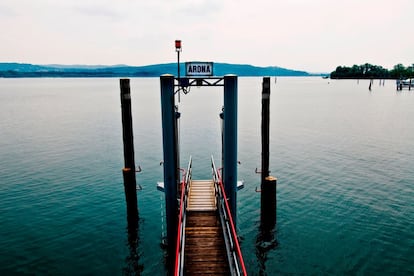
171,178
230,142
170,146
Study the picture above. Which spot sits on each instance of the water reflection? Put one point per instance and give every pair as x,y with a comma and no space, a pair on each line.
266,242
132,266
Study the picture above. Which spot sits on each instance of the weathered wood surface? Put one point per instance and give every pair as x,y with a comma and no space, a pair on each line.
201,196
205,251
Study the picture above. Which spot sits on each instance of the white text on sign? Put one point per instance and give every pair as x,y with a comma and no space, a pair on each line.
199,68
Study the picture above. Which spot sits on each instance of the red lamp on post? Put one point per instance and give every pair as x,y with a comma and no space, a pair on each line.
178,45
178,50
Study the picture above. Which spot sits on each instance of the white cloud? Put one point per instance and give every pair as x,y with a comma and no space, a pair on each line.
309,35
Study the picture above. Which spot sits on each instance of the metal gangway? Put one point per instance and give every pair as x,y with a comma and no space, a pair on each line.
207,240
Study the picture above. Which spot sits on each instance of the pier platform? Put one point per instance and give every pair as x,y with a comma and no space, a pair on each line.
205,249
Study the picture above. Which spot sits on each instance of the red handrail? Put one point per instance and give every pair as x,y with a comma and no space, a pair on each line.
180,218
233,230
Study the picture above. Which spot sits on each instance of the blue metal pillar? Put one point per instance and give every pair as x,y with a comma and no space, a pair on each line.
230,142
170,159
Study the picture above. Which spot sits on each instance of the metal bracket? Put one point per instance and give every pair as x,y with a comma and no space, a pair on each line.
240,185
259,172
160,186
198,81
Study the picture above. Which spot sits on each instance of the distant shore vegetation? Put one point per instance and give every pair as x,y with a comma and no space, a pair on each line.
369,71
25,70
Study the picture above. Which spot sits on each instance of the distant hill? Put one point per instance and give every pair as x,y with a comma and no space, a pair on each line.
16,70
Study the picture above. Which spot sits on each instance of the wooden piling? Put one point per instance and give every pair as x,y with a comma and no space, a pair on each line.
269,202
128,172
265,126
268,183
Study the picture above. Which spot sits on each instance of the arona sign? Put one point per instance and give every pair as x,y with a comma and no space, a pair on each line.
199,68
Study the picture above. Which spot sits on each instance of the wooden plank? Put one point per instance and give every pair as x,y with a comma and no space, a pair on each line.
205,251
201,196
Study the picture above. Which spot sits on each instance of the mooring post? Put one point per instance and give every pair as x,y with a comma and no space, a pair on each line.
230,142
268,183
128,172
170,160
265,126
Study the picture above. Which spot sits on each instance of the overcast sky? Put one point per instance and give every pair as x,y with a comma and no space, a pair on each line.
310,35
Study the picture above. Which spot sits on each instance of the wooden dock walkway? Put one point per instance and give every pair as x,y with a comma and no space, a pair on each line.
201,196
205,249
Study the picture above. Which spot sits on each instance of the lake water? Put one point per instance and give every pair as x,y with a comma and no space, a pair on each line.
343,156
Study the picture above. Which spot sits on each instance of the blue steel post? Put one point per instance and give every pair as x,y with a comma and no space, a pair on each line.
230,142
170,160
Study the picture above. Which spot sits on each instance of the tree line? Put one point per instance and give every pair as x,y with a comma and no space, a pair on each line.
369,71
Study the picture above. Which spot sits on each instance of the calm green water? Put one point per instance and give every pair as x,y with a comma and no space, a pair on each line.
343,156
